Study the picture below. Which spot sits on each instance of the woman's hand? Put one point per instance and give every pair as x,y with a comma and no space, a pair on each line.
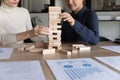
67,17
39,30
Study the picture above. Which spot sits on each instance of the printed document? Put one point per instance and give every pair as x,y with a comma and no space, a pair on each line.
23,70
81,69
112,48
113,61
5,53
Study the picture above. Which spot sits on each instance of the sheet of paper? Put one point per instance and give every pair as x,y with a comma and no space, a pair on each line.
80,69
24,70
5,53
113,61
112,48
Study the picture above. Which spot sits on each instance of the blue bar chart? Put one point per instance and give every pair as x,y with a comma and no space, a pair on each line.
80,69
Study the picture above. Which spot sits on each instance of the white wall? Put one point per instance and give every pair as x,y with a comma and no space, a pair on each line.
109,29
42,16
38,5
60,3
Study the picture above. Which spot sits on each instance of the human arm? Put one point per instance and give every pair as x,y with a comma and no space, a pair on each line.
86,28
10,38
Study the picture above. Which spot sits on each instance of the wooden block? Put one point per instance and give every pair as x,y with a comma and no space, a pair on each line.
54,15
55,43
26,47
21,49
54,36
56,39
29,47
56,31
75,51
54,9
58,26
77,45
54,22
48,51
84,49
63,51
36,50
54,46
55,28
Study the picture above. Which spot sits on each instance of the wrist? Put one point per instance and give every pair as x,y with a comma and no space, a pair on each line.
72,24
31,33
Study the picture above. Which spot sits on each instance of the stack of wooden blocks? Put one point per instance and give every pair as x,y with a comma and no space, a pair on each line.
54,37
55,26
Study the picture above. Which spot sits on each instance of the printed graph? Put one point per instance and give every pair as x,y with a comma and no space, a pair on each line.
80,69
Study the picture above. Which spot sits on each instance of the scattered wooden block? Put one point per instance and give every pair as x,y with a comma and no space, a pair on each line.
26,47
36,50
29,47
77,45
21,49
75,51
84,49
48,51
63,51
80,48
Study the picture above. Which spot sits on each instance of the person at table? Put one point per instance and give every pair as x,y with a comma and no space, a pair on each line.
15,24
81,25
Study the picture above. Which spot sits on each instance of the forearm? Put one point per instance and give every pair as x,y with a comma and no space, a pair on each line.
24,35
37,31
89,35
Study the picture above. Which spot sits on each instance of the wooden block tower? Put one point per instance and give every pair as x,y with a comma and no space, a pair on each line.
54,38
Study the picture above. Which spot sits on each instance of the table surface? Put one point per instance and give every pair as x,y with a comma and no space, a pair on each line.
96,51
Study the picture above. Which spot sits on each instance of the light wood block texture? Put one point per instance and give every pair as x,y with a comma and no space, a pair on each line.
54,38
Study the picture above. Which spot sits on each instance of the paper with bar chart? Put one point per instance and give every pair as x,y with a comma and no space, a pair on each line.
21,70
5,53
80,69
113,61
112,48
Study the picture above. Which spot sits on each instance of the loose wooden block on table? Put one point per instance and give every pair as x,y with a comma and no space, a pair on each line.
26,47
79,48
36,50
63,51
48,51
84,49
78,45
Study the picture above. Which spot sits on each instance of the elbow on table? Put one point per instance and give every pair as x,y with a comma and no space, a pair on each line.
95,41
